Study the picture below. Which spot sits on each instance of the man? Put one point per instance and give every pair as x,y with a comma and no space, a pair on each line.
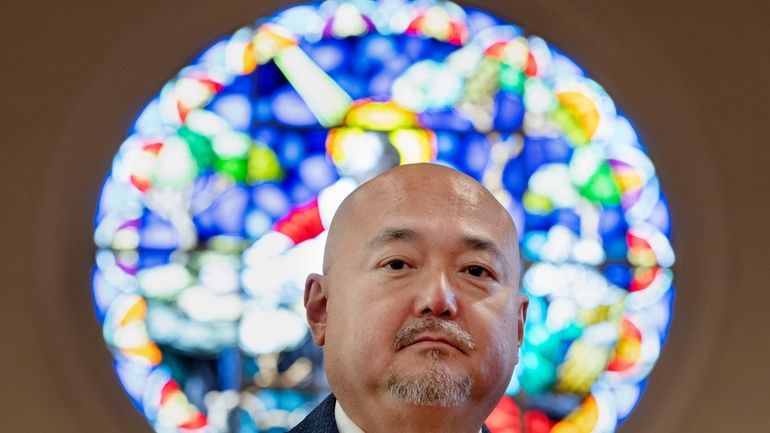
418,309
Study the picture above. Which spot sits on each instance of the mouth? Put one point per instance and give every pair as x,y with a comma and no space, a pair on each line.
433,340
436,333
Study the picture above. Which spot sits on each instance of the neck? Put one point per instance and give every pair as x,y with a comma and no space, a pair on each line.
386,415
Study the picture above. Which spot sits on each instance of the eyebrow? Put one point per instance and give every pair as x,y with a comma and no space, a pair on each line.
479,244
392,234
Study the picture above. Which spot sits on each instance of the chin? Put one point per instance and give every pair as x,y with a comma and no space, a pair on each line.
433,383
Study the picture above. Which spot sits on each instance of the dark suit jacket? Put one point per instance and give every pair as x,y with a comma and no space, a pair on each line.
321,419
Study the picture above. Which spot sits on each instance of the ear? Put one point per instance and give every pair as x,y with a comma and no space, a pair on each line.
522,313
315,307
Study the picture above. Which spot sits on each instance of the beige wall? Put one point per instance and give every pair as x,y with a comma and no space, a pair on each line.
694,80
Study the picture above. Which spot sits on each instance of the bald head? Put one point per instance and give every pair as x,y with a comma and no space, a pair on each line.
435,189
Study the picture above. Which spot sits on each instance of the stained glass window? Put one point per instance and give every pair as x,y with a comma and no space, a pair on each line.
217,203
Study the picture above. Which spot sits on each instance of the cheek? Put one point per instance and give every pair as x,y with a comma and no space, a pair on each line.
360,326
500,334
497,362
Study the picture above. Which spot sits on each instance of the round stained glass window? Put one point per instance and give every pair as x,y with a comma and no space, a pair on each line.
217,203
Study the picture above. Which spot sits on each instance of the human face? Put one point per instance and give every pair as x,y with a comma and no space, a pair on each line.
434,251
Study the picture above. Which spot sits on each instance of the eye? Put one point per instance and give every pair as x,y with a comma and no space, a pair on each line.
477,271
396,265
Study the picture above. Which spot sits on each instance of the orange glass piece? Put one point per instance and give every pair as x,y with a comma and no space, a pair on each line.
583,420
135,312
582,109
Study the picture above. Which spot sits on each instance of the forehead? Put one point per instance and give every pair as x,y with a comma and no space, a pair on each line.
425,191
454,210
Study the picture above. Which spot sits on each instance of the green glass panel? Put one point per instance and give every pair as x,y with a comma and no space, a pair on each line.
234,168
200,147
512,79
602,187
539,373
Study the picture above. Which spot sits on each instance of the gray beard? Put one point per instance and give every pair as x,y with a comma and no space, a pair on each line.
433,386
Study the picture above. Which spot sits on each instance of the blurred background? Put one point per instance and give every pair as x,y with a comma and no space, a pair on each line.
692,79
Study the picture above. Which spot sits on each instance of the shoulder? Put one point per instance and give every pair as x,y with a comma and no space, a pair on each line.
320,420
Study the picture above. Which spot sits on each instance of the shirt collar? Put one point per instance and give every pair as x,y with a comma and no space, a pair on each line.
345,424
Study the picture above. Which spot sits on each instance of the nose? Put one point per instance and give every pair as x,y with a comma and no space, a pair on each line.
437,298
